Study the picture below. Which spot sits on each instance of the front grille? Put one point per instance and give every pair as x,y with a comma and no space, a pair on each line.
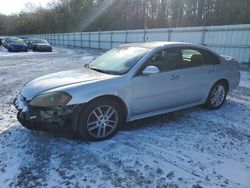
19,48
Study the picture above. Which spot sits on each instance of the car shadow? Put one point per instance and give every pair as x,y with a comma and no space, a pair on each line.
153,121
130,126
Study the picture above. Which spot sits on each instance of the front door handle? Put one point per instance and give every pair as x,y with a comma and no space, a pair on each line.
174,77
210,71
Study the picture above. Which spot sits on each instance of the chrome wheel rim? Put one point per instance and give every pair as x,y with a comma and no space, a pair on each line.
217,96
102,121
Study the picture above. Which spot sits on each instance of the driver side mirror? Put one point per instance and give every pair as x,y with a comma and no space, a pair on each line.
150,70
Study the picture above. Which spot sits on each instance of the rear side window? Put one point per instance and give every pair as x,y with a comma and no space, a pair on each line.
191,58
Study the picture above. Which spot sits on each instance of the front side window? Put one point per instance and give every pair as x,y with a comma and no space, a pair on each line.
165,60
191,58
118,60
211,59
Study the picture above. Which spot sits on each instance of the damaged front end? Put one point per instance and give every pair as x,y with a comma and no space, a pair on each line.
46,118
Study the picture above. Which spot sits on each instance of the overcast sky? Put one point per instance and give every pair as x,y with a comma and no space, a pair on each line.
15,6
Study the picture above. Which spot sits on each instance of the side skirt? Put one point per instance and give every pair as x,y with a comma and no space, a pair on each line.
172,109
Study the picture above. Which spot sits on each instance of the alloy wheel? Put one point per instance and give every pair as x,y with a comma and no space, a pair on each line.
217,95
102,121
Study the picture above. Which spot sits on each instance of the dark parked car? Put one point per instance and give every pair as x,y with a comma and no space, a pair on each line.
14,44
40,45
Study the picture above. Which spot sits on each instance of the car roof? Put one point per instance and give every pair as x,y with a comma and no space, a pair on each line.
158,44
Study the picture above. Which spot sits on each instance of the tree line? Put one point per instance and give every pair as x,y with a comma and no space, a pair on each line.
93,15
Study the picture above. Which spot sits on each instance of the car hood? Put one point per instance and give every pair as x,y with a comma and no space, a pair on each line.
41,44
60,79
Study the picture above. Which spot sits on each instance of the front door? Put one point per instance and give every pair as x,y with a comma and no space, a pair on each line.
158,91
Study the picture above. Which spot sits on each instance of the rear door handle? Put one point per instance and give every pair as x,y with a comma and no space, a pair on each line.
174,77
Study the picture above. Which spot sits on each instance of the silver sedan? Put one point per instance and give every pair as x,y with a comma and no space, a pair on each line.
130,82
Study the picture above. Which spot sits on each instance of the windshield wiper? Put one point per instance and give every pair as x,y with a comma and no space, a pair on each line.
98,70
102,71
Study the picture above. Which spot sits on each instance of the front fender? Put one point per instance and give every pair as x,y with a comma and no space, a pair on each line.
83,93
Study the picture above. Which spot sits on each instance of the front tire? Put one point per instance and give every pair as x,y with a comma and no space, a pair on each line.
217,96
100,120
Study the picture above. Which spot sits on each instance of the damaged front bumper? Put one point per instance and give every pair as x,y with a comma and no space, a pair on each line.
47,119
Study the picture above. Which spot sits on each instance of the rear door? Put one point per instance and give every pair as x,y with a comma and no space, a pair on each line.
196,73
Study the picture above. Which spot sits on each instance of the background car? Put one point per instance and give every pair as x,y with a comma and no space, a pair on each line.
1,38
40,45
14,44
127,83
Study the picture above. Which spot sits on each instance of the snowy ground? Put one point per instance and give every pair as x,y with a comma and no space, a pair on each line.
189,148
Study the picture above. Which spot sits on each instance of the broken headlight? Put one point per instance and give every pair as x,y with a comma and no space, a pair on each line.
52,99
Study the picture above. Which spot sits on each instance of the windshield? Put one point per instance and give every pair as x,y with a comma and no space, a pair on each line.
41,41
16,40
118,60
28,40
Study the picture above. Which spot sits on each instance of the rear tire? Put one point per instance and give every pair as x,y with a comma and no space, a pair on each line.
100,120
217,95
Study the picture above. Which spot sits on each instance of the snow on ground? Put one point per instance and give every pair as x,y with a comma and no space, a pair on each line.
245,79
189,148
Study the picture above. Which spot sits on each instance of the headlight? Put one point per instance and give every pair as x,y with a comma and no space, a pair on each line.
52,99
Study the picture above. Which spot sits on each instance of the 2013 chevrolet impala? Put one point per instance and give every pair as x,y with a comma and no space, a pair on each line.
129,82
